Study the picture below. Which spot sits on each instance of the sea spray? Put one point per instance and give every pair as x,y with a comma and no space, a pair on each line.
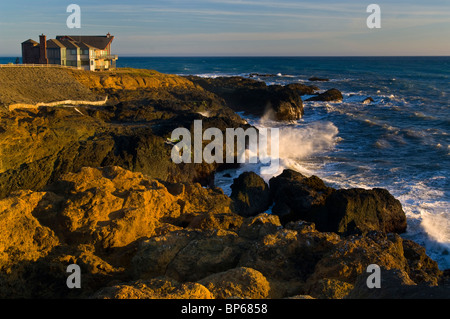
295,142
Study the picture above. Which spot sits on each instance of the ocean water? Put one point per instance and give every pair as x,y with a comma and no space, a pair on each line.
400,142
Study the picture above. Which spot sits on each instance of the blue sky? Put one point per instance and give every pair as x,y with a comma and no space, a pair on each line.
237,27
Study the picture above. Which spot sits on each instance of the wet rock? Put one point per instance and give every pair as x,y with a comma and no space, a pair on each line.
250,194
296,196
318,79
333,95
368,100
344,211
303,89
282,103
350,211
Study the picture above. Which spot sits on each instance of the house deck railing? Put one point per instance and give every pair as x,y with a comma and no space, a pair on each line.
107,57
38,65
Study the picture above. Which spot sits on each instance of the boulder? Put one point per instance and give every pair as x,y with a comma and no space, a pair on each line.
158,288
23,237
350,211
350,257
241,282
395,285
330,289
287,254
250,195
421,268
343,211
303,89
368,100
296,196
333,95
111,207
259,226
210,220
282,103
187,255
318,79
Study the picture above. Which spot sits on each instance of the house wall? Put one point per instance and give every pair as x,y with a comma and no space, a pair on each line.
30,53
73,57
54,56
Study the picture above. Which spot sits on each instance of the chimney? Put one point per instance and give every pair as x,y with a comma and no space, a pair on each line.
43,49
108,35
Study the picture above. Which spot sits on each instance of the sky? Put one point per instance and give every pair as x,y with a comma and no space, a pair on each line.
237,27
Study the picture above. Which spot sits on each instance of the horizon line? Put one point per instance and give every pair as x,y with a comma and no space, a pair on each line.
262,56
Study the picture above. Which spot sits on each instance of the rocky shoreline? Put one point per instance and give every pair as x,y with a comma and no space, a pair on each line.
96,187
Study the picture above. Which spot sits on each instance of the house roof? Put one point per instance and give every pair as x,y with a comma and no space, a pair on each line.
53,43
98,42
31,41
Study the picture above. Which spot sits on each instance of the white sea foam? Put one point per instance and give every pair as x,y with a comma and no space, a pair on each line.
428,220
296,143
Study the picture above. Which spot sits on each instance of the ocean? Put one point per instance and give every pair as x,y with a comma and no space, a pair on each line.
400,142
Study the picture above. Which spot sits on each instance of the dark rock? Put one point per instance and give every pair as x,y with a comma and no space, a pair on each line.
303,89
317,79
368,100
345,211
250,194
297,196
394,285
158,288
259,226
187,255
421,268
349,211
261,75
333,95
283,103
241,282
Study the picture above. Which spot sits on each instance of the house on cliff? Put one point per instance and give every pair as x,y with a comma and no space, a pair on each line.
83,52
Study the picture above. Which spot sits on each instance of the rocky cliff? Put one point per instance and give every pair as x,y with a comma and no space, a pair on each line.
95,186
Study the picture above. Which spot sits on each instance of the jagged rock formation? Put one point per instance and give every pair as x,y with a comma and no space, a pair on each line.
135,237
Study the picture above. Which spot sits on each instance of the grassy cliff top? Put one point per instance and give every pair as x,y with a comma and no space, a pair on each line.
32,85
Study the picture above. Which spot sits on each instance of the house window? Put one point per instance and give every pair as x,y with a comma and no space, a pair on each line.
73,52
85,52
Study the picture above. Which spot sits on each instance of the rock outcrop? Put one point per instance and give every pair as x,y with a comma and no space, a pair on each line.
344,211
250,195
96,187
333,95
318,79
282,103
135,237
